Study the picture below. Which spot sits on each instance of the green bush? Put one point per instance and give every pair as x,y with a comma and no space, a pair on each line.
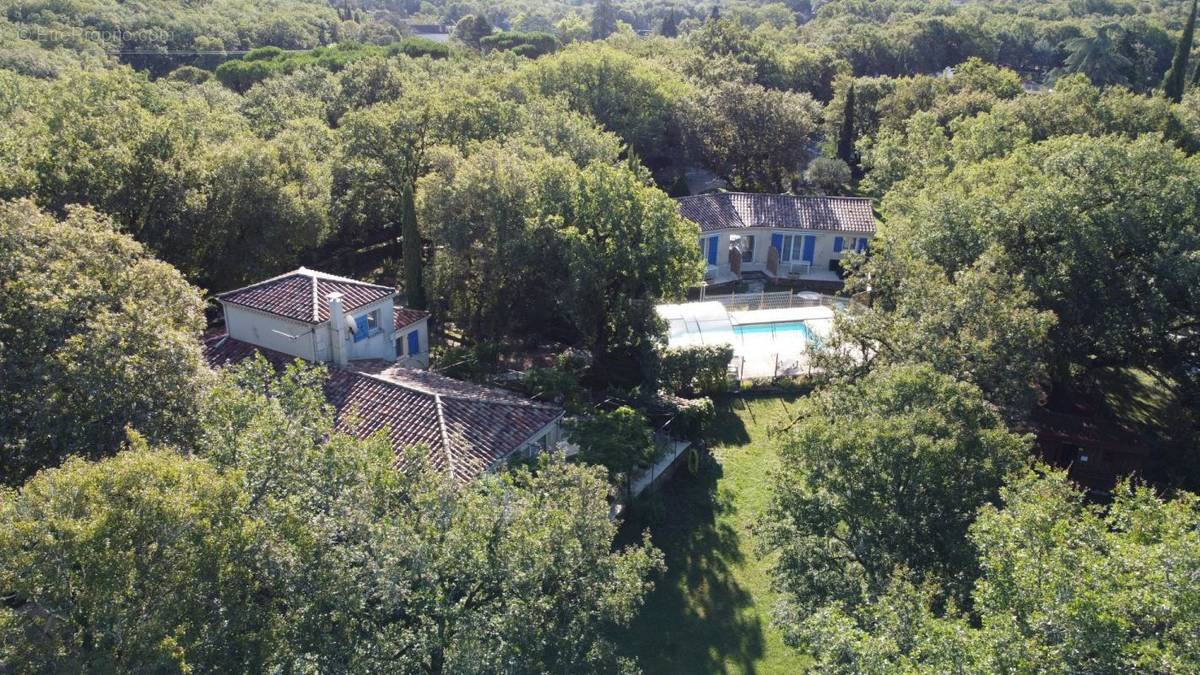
619,440
701,369
417,47
530,45
241,75
556,385
467,362
263,54
694,419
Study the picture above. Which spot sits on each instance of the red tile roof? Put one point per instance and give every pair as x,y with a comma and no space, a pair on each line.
407,317
734,210
301,295
467,427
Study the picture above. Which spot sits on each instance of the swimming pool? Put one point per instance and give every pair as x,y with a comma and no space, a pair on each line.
767,343
786,330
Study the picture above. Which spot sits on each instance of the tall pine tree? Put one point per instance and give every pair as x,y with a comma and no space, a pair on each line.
1176,77
845,149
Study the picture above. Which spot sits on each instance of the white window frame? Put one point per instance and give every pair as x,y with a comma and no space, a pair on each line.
373,327
748,250
792,249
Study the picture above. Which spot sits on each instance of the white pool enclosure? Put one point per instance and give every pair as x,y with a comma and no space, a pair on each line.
767,343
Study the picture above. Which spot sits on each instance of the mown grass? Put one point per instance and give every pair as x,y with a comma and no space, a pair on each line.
711,611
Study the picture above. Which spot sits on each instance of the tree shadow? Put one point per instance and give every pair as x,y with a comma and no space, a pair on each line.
728,428
699,618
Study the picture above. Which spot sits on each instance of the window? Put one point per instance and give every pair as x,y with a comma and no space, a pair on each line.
409,344
708,249
747,248
843,244
366,325
797,248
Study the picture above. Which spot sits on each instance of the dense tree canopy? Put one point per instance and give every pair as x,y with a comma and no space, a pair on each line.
286,545
755,138
1066,587
880,474
1034,166
533,243
95,336
1102,231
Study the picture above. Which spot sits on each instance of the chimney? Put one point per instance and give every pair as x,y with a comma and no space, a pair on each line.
337,328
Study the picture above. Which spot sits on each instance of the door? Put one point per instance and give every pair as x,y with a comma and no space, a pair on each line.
810,245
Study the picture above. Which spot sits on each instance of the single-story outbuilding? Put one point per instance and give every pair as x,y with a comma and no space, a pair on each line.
784,237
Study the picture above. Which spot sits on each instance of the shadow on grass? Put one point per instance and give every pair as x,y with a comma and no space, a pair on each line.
698,619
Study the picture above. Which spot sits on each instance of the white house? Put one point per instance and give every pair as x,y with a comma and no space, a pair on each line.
466,429
327,319
783,237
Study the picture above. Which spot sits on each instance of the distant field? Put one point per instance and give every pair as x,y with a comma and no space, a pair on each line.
711,612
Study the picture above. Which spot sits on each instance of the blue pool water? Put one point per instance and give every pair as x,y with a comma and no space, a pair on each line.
785,330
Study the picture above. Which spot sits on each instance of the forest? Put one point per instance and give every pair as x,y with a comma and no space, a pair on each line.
510,165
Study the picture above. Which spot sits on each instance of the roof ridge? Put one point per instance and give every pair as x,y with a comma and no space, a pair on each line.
316,299
381,378
319,275
454,396
311,274
260,283
441,418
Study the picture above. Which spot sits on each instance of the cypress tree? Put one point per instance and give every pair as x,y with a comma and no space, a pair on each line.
414,283
1176,77
845,148
670,26
604,19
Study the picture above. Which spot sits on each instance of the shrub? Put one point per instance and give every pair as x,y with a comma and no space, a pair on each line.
241,75
829,174
619,440
529,45
467,362
700,369
557,385
417,47
694,419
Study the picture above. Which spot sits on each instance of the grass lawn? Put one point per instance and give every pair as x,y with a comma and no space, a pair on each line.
711,611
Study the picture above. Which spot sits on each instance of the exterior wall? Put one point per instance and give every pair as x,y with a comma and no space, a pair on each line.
400,342
381,343
270,332
313,342
822,253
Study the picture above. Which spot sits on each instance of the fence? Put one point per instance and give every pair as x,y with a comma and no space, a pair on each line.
775,300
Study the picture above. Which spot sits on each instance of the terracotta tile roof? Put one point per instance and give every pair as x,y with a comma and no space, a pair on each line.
407,317
732,210
300,295
467,427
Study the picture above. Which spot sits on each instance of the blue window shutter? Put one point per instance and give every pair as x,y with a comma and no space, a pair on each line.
810,243
712,250
837,244
862,243
360,328
414,343
777,243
